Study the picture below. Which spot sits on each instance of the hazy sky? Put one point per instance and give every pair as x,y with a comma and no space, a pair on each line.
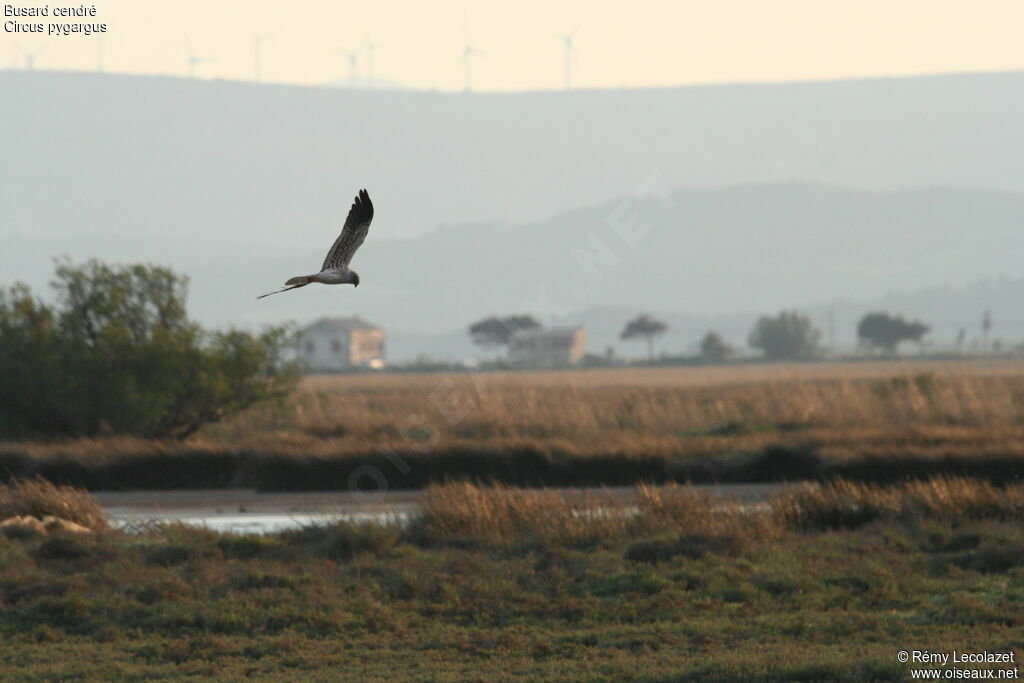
635,44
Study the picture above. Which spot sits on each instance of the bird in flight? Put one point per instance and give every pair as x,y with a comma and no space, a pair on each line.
335,270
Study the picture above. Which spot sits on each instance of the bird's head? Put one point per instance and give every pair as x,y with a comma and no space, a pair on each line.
355,278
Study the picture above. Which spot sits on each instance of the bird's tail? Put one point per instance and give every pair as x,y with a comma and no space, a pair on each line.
293,283
300,280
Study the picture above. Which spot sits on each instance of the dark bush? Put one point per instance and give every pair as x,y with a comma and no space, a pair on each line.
885,332
994,556
789,335
169,555
117,354
67,548
250,547
785,463
343,541
690,546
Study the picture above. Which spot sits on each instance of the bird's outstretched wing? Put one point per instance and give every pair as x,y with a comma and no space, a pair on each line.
352,235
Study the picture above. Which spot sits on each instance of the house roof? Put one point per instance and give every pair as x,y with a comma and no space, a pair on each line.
339,325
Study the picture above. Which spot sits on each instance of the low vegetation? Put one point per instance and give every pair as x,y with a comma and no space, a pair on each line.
681,587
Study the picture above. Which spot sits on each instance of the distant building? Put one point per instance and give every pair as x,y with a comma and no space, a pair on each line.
341,344
547,348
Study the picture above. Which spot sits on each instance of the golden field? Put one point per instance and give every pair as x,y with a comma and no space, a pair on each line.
618,426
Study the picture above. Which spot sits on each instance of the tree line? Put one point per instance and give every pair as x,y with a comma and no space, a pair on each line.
789,335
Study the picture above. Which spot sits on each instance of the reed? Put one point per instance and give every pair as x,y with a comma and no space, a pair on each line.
844,503
503,516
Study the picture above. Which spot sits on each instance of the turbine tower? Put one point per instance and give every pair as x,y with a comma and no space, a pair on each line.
257,49
193,60
469,51
567,42
371,47
30,56
353,64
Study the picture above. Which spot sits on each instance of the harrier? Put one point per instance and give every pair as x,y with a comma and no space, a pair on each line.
335,270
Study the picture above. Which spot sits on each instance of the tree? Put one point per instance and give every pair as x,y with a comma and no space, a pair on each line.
786,336
885,332
117,354
495,331
645,326
713,348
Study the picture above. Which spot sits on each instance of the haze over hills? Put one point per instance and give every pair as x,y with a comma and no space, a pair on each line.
479,198
159,155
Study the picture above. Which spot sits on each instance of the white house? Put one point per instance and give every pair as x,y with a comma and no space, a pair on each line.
547,347
341,343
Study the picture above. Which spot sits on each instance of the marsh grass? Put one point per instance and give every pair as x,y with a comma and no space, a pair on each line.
499,516
503,516
666,404
847,504
866,421
499,583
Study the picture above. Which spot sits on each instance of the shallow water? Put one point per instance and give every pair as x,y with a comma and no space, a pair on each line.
253,522
244,511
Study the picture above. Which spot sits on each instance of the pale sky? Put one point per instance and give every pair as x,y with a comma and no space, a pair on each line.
640,43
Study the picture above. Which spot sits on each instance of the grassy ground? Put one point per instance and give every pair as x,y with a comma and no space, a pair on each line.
493,584
873,421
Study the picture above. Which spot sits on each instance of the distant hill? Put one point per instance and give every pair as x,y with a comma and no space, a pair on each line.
162,156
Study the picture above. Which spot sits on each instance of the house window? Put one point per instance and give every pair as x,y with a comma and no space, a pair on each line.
309,347
336,346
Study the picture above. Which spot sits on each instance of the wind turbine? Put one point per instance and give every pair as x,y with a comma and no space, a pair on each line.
257,42
30,56
370,48
469,51
193,60
567,42
353,64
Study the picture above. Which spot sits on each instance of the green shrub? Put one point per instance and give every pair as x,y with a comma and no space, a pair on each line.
117,353
250,547
170,555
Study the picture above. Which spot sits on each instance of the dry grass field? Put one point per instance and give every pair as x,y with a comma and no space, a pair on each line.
761,422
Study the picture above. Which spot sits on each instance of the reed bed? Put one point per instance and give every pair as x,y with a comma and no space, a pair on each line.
500,516
864,421
453,408
844,503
